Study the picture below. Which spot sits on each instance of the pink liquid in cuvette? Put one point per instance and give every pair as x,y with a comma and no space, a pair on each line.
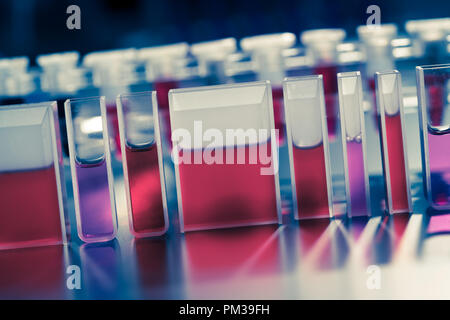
96,216
439,162
311,182
29,208
397,163
145,190
225,195
357,182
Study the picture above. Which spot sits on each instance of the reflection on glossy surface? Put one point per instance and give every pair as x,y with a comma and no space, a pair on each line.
439,224
222,254
32,273
158,268
307,259
100,266
388,237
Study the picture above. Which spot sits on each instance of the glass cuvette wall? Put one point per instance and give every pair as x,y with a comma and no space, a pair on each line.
32,197
143,163
90,163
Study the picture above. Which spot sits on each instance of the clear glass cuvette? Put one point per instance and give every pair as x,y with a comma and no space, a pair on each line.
212,57
393,141
225,156
354,144
90,163
142,163
434,119
308,147
32,190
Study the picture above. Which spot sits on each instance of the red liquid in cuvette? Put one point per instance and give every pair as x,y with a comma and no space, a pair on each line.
145,190
397,165
224,195
311,182
29,208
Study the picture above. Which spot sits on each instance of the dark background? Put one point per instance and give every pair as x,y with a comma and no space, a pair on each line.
31,27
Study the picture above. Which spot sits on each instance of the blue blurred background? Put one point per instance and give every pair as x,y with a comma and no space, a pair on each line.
30,27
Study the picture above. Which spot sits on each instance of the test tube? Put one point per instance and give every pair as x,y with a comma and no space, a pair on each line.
267,56
17,84
32,190
52,66
321,49
434,120
393,141
163,63
142,163
225,156
308,147
90,163
430,39
114,72
376,40
354,144
62,79
378,51
212,57
163,68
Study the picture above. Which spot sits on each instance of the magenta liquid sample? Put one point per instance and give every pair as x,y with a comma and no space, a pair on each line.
438,136
96,217
439,162
311,182
145,190
397,163
225,195
357,182
29,208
